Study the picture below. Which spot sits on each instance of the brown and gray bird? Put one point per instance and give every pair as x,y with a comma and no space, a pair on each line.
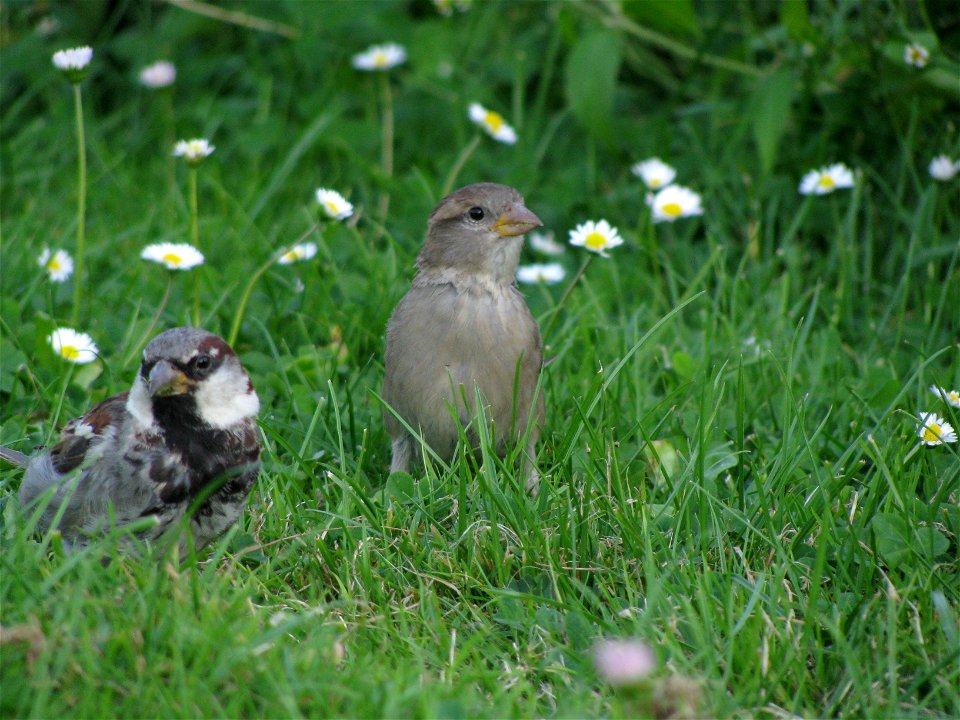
186,432
464,325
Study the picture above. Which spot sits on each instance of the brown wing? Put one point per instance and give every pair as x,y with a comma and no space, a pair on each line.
83,433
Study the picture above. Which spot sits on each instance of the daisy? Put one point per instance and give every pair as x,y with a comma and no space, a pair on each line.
73,62
826,180
380,57
951,397
654,172
59,264
175,256
546,273
943,168
624,662
674,202
334,204
596,236
493,123
74,346
297,253
193,151
159,75
934,430
543,242
916,55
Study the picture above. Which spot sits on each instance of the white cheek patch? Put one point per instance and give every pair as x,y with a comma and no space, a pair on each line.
226,397
138,403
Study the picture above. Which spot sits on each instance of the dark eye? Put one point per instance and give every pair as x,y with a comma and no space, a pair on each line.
475,213
202,362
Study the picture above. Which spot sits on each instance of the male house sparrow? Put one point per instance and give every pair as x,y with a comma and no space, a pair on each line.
463,325
185,432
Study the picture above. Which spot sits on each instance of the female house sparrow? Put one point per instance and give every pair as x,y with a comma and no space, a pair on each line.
463,325
185,432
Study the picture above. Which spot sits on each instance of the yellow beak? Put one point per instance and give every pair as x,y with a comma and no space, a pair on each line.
167,380
516,221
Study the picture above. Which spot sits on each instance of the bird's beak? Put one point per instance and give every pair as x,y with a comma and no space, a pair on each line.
167,380
516,221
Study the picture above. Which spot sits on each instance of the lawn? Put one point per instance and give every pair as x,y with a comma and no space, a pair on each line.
732,476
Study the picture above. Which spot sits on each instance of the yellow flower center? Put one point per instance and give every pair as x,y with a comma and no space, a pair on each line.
54,264
493,120
931,433
290,255
672,209
172,259
826,181
379,59
654,182
70,352
595,241
954,397
331,207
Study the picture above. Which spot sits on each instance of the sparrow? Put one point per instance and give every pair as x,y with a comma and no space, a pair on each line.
185,434
463,326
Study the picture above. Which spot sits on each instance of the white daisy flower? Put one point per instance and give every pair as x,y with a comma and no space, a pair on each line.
160,74
546,273
304,251
59,264
543,242
654,172
493,123
934,430
334,204
175,256
193,151
943,168
951,397
380,57
597,237
916,55
826,180
624,662
74,346
674,202
74,62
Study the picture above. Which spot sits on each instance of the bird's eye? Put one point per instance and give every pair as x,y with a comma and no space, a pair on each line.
475,213
202,362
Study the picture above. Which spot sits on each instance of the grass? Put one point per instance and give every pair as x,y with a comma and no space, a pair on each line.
730,467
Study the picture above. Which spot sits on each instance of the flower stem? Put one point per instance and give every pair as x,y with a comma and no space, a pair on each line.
563,298
386,151
81,200
458,165
153,320
195,241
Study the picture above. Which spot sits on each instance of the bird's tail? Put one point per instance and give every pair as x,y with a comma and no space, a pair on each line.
13,456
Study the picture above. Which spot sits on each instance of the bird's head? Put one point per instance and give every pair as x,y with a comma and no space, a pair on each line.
478,230
193,374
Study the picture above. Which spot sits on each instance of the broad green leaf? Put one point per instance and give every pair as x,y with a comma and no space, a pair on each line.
676,17
893,538
591,80
771,114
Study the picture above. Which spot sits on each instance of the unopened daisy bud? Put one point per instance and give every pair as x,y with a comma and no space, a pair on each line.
74,62
59,264
334,205
624,662
193,151
493,123
546,273
77,347
942,168
160,74
380,57
174,256
675,202
304,251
